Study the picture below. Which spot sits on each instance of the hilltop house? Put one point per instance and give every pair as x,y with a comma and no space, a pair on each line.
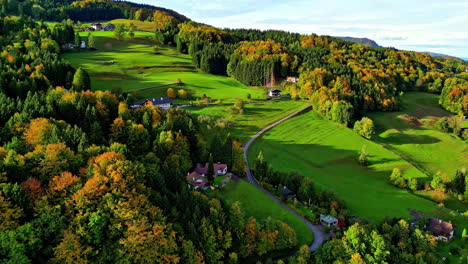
97,26
219,169
292,79
441,230
328,220
162,102
274,93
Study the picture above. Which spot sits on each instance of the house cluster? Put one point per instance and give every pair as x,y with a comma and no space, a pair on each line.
198,179
441,230
162,102
101,27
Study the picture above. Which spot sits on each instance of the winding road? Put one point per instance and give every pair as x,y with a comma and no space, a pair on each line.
319,235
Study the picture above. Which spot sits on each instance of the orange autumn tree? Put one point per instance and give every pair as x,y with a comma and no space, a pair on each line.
37,131
112,206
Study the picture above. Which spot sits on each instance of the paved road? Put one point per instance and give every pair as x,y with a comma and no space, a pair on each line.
319,235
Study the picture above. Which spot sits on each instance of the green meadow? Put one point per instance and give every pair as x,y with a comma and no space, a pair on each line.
132,65
255,117
411,135
258,205
327,152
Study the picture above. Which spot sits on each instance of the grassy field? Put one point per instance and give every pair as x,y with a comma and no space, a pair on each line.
411,135
328,153
132,64
260,206
256,115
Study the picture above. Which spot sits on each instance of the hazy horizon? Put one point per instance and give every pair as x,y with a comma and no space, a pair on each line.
429,26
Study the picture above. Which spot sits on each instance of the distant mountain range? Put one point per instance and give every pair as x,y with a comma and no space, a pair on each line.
372,43
362,41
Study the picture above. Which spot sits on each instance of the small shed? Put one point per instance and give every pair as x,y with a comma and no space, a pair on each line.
328,220
288,194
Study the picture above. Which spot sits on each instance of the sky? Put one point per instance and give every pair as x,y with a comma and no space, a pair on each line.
439,26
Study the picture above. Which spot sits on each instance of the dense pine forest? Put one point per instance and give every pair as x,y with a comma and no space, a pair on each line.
84,179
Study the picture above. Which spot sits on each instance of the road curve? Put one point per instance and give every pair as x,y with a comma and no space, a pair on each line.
319,235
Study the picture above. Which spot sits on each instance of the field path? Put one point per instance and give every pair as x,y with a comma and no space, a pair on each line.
319,235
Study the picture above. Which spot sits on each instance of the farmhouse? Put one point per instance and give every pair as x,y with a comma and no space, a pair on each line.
109,27
97,26
292,79
274,93
162,102
441,230
328,220
288,194
219,169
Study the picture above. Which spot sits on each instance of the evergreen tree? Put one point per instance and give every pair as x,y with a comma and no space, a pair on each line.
81,80
91,43
210,171
77,40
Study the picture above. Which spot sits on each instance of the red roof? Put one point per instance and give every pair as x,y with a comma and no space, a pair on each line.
196,179
204,169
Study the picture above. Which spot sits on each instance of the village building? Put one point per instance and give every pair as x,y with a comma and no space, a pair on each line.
68,46
441,230
292,79
83,44
97,26
162,102
109,27
274,93
288,194
196,180
219,169
328,220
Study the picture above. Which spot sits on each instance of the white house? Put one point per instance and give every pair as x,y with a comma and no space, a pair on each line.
83,44
274,93
97,26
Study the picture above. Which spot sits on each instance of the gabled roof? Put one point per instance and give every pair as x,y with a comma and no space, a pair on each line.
328,219
203,169
274,91
439,227
287,192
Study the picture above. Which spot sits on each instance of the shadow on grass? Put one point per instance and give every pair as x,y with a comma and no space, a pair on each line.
402,139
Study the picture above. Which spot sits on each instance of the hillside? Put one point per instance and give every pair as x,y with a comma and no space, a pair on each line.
362,41
96,168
